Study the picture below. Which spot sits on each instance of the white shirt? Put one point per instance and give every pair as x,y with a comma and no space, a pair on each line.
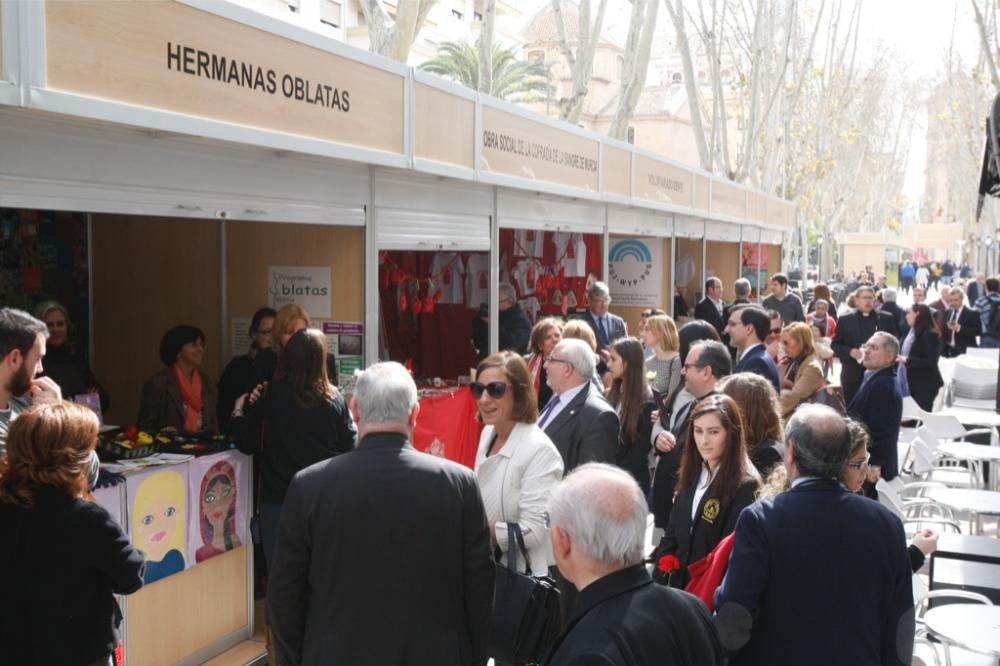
565,398
699,491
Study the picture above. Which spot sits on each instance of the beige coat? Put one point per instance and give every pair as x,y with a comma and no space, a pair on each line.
808,380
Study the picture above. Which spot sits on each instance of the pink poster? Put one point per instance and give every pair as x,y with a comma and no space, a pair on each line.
219,495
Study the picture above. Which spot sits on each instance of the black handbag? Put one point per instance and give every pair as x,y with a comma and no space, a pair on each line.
832,397
526,614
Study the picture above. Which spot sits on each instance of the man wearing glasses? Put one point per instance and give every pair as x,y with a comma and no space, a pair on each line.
879,405
747,328
853,331
607,327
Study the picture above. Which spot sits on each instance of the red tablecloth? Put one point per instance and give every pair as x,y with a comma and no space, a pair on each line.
447,427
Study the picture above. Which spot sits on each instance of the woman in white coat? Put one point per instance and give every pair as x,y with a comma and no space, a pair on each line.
517,464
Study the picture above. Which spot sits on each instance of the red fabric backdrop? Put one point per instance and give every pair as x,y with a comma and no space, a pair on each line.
447,427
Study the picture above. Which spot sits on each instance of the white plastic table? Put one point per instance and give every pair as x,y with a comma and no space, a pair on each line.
973,417
973,627
976,502
979,453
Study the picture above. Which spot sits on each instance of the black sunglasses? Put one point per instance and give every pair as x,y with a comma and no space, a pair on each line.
495,389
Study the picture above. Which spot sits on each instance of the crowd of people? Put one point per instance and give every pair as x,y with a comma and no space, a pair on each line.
725,431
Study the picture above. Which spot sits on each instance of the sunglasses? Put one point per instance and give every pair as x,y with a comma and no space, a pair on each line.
494,389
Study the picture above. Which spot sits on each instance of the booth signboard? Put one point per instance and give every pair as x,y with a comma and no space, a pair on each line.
444,126
780,213
308,286
158,511
729,200
219,520
170,56
663,182
514,145
635,271
616,171
345,339
702,184
240,339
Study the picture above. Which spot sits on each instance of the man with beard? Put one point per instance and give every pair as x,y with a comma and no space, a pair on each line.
22,347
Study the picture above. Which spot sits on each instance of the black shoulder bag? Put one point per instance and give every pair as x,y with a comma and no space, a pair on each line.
526,615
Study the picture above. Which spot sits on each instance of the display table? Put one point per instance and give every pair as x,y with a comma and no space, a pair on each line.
973,627
191,519
447,426
976,502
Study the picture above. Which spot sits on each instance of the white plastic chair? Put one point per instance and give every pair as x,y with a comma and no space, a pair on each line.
921,635
928,464
974,381
916,512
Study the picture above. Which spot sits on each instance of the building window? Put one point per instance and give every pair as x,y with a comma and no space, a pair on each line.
619,67
536,57
330,12
630,134
702,76
457,14
476,16
293,5
677,77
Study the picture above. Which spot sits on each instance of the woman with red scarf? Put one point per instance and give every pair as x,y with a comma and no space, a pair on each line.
545,335
180,397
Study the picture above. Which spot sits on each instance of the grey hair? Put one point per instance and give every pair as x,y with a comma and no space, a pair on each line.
603,511
957,290
821,440
507,291
385,393
741,288
598,289
889,295
864,287
891,341
578,354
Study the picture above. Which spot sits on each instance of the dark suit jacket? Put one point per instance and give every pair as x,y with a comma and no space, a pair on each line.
586,430
776,605
848,337
633,454
691,541
879,405
759,362
383,557
162,406
616,327
64,558
974,291
767,455
922,373
625,619
898,317
971,325
707,311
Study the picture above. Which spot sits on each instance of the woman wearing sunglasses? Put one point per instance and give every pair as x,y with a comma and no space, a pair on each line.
632,398
716,482
517,465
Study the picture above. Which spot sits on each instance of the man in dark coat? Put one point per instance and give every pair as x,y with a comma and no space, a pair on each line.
711,308
621,616
807,558
607,327
748,327
961,324
891,307
853,330
879,405
383,553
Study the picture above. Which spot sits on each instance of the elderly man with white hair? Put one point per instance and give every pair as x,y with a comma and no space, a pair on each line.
597,517
383,553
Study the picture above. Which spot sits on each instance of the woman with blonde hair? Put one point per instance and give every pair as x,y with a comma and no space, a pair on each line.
659,334
801,370
545,335
289,320
761,419
64,557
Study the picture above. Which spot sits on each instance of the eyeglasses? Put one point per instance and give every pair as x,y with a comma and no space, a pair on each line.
495,389
265,332
861,464
553,359
776,331
546,520
694,366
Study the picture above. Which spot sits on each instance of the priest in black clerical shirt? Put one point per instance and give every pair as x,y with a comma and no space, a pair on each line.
853,331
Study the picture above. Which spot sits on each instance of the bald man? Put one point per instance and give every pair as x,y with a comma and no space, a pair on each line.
597,523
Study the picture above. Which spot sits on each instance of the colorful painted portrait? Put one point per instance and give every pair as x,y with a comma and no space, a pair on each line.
159,522
217,511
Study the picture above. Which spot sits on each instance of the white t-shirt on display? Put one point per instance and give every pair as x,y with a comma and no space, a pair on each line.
477,280
452,281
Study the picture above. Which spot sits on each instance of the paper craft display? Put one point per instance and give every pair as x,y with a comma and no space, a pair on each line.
218,506
157,504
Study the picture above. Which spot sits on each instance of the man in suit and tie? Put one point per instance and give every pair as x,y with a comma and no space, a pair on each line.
621,616
976,288
578,420
814,553
853,331
347,524
961,324
607,327
711,308
748,327
879,405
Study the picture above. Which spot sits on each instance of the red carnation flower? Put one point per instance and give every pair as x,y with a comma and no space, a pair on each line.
668,563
